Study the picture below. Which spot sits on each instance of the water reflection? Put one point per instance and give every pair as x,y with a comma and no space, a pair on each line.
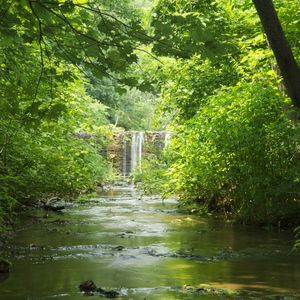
147,249
3,277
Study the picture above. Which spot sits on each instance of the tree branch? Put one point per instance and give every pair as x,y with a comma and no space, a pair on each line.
41,48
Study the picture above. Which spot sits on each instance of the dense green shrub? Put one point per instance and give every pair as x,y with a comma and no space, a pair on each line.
43,155
240,154
188,83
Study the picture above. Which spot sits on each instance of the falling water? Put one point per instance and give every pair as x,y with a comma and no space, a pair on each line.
132,148
167,138
137,141
124,158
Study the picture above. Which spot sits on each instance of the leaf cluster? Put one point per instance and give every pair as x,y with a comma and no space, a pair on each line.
235,149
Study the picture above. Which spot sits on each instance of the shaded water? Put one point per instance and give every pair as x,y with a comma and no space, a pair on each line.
146,250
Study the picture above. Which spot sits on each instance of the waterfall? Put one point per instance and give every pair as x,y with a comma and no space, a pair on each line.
124,158
129,148
137,140
167,138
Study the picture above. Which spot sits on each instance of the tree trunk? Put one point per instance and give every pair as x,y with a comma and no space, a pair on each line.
281,48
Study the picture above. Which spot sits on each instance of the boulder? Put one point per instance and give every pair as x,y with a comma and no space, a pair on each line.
55,204
87,286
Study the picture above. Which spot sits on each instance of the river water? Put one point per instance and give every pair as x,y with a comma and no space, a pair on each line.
146,249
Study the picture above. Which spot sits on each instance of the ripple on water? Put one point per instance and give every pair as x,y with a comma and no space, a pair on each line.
150,249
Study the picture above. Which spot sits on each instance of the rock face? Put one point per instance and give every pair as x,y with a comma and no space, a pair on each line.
4,266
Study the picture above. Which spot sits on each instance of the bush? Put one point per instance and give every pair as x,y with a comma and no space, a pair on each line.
240,154
43,156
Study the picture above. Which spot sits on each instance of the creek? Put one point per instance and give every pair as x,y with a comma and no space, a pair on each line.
146,249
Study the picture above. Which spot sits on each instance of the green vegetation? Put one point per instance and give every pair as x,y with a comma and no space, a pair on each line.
72,71
235,149
52,129
238,155
40,152
215,85
127,109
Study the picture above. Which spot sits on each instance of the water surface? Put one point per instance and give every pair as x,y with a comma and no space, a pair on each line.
146,249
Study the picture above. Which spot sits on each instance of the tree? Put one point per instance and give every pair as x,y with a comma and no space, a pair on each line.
46,51
281,48
235,148
183,28
207,28
100,36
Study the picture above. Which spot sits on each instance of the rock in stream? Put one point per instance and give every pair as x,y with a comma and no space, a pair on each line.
89,288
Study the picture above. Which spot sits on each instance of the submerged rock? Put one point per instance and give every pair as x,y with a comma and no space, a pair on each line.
118,248
4,266
54,207
54,199
36,247
87,286
206,289
55,204
108,294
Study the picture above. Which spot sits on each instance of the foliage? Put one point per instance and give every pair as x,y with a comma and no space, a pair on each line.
154,175
96,35
235,147
131,109
188,83
52,129
214,28
289,15
239,154
194,27
41,153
